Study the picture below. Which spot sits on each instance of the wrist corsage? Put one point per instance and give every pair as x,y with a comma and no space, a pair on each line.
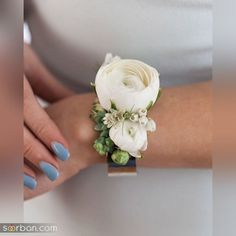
126,90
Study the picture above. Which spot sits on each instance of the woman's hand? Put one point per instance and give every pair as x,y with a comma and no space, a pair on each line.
183,137
71,115
42,138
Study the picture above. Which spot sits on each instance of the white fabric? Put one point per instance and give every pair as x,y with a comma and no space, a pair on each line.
155,202
73,37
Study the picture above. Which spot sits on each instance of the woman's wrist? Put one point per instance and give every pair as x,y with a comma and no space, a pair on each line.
72,117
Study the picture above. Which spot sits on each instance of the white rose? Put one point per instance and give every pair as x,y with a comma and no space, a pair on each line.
129,84
130,137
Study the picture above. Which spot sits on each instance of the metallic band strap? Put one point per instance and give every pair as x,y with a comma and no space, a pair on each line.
120,170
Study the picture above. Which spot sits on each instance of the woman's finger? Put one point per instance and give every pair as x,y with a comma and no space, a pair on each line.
41,125
44,84
29,178
29,171
37,154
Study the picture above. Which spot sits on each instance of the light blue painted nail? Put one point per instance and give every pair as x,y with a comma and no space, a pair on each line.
49,170
29,182
61,152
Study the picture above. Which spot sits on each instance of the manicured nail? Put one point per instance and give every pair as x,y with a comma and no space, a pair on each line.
49,170
29,182
61,152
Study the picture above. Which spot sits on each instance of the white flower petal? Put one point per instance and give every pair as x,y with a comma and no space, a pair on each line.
143,120
151,125
109,59
134,142
130,84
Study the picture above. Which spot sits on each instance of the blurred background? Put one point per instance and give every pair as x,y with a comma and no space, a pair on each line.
11,110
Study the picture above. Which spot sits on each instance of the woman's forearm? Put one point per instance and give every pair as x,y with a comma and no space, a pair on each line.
184,128
183,137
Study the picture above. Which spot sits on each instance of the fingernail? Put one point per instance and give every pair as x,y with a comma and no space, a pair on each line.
61,152
49,170
29,182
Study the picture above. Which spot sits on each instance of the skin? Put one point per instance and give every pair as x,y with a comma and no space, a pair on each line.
39,129
183,137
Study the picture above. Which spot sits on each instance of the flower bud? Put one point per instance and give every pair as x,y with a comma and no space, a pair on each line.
99,147
142,112
120,157
109,120
134,117
143,120
97,107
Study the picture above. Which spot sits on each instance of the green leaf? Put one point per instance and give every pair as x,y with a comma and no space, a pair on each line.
98,120
111,149
93,86
106,149
127,115
113,105
159,94
100,140
104,133
109,142
98,127
97,107
101,113
149,105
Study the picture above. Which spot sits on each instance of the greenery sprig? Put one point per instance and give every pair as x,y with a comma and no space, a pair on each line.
103,144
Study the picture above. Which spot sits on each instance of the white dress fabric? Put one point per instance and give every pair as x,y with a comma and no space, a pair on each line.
72,37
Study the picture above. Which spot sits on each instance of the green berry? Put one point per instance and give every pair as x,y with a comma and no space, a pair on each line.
120,157
99,147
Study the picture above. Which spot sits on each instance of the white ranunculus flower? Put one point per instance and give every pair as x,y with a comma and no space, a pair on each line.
129,84
130,137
